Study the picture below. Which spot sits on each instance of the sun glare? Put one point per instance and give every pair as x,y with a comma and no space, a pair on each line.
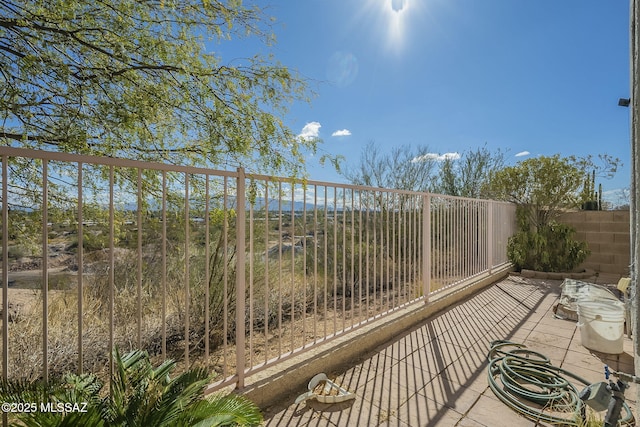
391,19
396,13
398,5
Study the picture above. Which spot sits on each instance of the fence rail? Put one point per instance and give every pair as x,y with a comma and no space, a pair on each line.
225,269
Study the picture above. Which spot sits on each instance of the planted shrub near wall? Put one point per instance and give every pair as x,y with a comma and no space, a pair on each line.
551,247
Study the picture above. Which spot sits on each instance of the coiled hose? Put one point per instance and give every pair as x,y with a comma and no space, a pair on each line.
527,382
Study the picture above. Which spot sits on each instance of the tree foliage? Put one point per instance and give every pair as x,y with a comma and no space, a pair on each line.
418,169
404,168
141,79
469,175
544,186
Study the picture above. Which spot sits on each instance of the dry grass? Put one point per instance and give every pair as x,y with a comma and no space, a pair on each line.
289,313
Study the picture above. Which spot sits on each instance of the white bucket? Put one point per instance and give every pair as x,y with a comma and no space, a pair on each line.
601,325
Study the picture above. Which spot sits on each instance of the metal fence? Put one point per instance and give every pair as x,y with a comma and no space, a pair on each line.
232,271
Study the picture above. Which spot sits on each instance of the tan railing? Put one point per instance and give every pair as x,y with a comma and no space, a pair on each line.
232,271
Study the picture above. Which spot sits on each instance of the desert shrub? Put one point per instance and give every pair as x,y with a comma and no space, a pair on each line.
17,252
549,248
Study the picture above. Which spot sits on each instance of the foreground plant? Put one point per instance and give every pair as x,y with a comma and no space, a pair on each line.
140,395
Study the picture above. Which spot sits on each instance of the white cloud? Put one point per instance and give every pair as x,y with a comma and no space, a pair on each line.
522,153
617,196
343,132
437,157
310,131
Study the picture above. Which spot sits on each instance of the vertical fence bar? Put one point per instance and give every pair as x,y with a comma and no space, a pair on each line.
413,249
448,238
293,264
335,259
440,242
376,282
405,242
388,254
394,245
406,280
361,282
490,237
478,224
139,254
344,259
305,245
367,263
458,231
45,270
207,271
240,276
426,244
382,291
251,281
5,278
471,242
225,272
417,220
280,268
187,295
315,261
480,230
353,257
465,250
325,257
80,261
5,273
267,290
164,265
483,229
111,271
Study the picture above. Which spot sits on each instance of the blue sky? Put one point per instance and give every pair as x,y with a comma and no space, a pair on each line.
534,78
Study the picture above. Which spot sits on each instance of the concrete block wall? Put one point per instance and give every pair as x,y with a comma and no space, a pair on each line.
608,236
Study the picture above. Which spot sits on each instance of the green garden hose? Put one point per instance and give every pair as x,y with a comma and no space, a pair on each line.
527,382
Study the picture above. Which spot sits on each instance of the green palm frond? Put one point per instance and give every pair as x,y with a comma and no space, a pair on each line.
140,395
229,410
71,388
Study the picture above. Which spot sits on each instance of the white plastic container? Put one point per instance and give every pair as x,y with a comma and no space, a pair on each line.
601,325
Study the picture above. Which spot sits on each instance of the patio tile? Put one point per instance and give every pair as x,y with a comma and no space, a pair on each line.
421,411
443,353
357,412
425,361
435,374
547,339
468,422
555,353
490,411
450,394
396,385
476,381
589,375
557,327
464,335
551,319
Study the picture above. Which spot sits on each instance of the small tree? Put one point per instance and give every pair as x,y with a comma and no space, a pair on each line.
543,187
469,175
404,168
136,79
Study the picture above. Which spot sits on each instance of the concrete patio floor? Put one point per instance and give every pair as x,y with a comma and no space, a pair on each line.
435,374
